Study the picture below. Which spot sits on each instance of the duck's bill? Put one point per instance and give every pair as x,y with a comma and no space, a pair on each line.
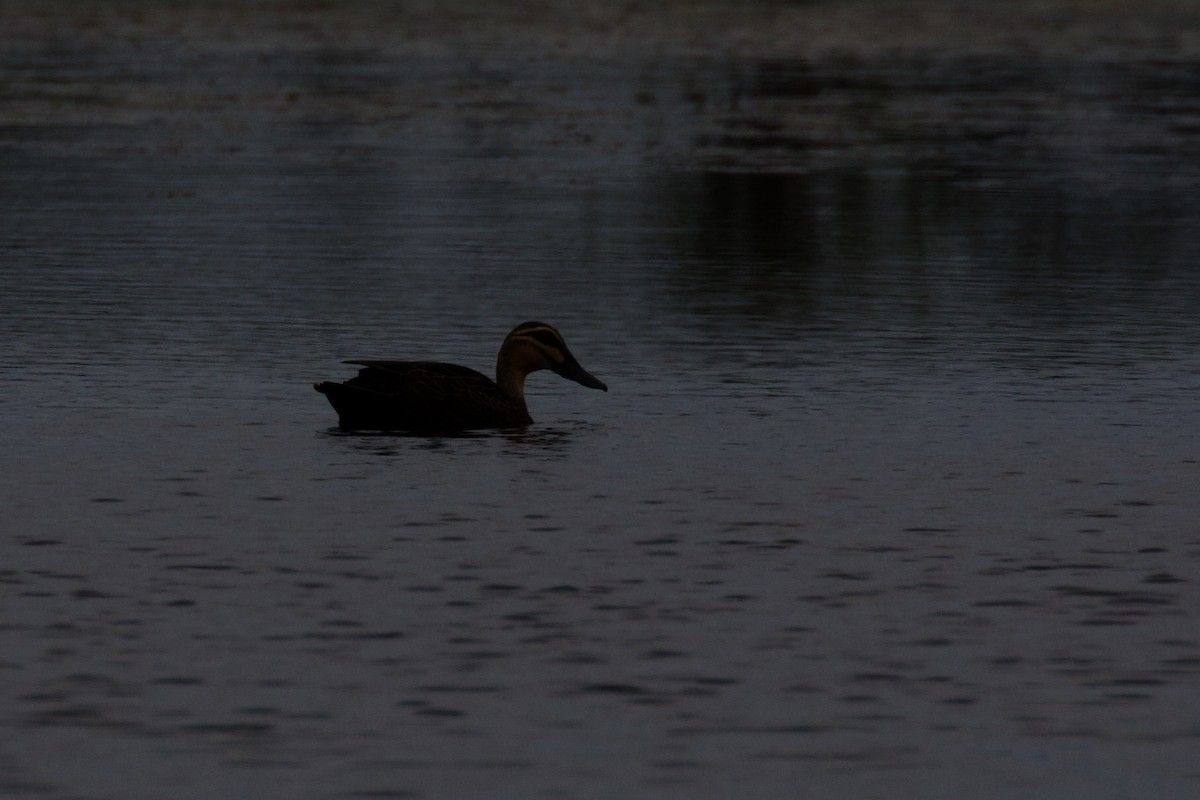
571,369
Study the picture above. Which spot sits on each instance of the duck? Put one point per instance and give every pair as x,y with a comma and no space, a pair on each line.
430,396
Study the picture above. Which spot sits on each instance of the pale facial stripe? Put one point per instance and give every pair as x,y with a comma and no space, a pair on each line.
547,340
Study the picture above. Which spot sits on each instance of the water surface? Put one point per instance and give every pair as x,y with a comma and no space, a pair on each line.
892,492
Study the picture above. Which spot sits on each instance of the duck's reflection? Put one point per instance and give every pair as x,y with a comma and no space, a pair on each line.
542,443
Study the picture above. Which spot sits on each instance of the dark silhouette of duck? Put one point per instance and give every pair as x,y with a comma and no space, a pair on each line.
429,396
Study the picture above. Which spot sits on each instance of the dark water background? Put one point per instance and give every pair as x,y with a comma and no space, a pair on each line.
893,492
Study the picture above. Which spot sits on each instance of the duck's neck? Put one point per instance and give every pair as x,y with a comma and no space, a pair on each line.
510,377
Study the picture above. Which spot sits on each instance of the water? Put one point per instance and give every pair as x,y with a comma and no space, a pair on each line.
893,492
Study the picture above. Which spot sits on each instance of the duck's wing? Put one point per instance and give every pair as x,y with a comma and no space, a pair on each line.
421,395
426,378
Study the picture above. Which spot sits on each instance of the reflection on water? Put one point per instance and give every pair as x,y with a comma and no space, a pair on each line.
182,300
894,487
924,269
539,443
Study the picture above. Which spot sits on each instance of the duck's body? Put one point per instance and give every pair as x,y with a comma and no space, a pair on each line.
432,396
421,395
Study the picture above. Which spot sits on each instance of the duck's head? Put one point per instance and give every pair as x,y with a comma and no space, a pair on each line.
535,345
